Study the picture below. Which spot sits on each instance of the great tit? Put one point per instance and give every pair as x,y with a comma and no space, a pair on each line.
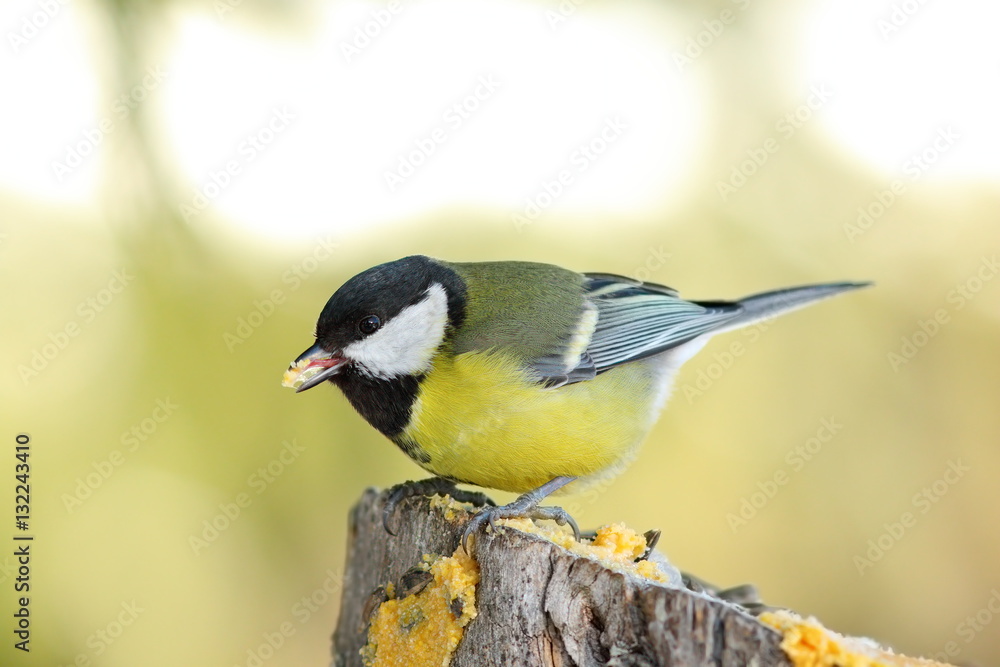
516,376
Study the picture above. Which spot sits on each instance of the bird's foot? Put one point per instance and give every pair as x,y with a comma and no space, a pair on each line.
652,537
428,487
745,596
524,506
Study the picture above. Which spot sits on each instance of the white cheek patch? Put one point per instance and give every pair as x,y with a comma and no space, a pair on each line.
407,342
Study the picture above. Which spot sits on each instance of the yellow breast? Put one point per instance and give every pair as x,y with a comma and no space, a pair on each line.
483,420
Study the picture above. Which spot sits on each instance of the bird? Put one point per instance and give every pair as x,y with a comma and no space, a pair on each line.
519,376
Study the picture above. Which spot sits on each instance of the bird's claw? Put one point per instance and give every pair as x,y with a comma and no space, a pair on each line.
745,596
524,506
652,537
427,487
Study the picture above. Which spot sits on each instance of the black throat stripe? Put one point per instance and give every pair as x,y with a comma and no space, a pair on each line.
385,404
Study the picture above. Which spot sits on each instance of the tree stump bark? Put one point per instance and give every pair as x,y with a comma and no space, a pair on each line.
539,604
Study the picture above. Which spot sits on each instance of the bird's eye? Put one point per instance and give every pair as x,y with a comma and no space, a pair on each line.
369,325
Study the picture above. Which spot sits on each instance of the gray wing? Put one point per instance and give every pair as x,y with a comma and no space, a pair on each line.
626,320
638,320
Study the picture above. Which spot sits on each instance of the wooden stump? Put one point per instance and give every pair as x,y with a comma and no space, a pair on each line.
539,604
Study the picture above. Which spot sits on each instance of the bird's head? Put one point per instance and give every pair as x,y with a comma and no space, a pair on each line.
386,322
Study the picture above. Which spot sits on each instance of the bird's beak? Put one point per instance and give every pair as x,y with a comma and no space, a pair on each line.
312,367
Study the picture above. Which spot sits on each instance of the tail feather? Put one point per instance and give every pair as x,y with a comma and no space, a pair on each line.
766,305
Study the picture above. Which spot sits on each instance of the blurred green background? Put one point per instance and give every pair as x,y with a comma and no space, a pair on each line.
184,184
